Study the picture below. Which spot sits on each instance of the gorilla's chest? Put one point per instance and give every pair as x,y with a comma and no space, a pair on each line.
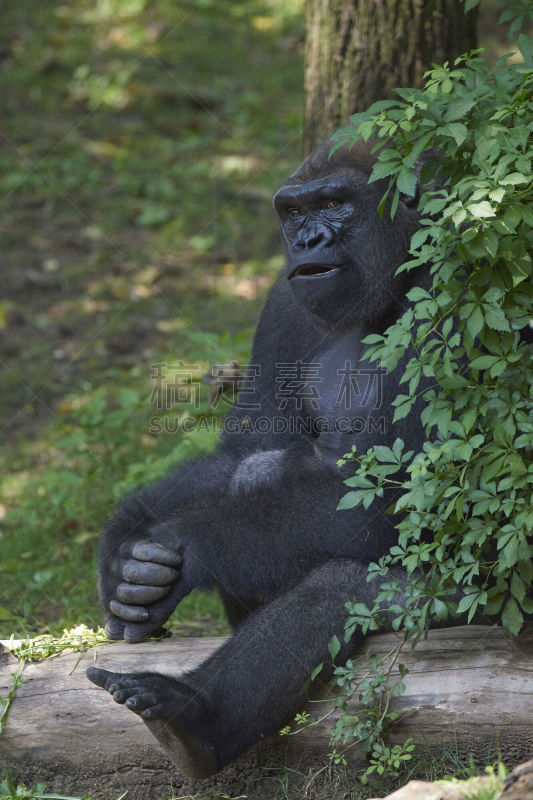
344,395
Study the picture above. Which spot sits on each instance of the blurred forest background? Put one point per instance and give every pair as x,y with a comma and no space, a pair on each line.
139,146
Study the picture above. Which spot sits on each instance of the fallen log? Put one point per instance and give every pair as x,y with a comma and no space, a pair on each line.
470,686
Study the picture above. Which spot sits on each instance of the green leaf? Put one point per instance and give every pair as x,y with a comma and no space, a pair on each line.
416,294
475,322
355,120
525,45
512,617
465,603
527,605
514,179
439,609
508,556
481,210
380,105
496,319
349,500
518,588
373,338
334,646
395,202
456,130
497,195
382,169
458,109
418,238
397,448
317,670
403,405
384,454
407,182
484,362
459,217
359,482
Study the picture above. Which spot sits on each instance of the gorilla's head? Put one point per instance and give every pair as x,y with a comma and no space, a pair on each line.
341,257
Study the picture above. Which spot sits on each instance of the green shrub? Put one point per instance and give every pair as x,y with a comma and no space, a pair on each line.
466,497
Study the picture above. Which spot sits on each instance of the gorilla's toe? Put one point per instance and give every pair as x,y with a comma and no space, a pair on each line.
102,677
128,689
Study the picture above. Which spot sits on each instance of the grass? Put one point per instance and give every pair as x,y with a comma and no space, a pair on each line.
141,144
293,785
427,765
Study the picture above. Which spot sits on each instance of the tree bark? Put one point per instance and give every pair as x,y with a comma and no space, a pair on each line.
358,51
469,687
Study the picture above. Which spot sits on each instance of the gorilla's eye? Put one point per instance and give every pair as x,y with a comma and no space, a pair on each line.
333,204
294,212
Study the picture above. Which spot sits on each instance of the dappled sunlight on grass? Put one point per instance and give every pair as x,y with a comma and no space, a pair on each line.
142,143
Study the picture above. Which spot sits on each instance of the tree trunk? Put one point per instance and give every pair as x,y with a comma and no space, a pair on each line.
469,687
358,51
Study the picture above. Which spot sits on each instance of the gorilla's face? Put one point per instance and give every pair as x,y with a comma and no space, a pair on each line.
341,257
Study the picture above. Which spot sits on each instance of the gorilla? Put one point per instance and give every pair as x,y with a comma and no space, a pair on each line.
257,519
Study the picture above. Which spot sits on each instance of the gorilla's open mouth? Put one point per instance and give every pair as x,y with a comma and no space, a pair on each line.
313,270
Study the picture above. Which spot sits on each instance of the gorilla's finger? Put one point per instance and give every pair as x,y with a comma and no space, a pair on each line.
101,677
160,611
145,572
139,631
153,551
137,594
129,613
114,628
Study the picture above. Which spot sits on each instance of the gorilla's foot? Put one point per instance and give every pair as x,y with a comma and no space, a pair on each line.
172,712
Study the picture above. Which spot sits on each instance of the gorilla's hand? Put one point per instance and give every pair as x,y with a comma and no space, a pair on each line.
149,576
149,591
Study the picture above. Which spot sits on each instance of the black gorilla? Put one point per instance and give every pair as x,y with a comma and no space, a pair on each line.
258,520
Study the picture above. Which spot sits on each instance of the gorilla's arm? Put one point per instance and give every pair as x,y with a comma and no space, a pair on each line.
250,544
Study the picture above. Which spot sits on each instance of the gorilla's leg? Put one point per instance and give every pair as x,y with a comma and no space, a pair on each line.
237,610
254,683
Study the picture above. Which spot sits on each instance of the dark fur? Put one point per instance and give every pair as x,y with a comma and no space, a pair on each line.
265,531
